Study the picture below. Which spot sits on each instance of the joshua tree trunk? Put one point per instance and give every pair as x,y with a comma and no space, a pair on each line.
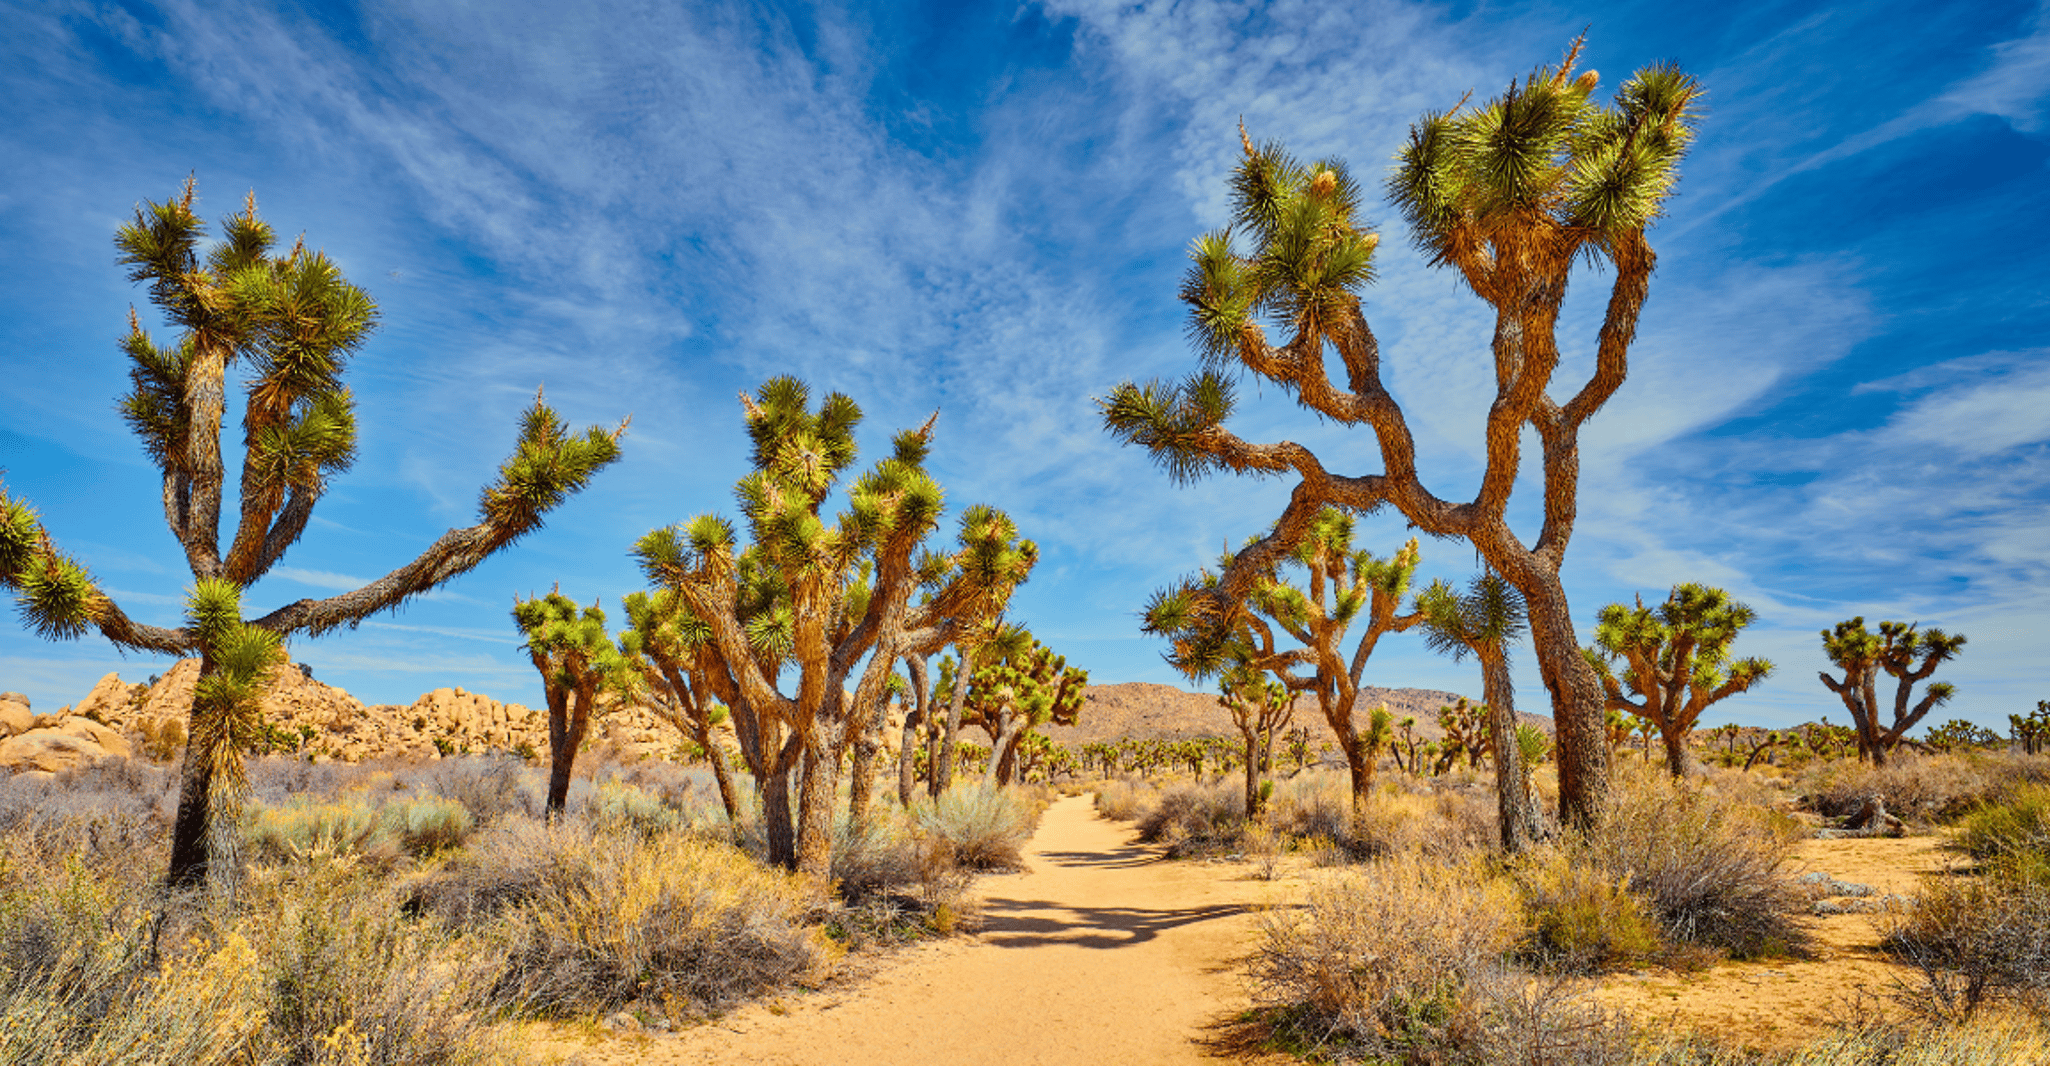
1513,804
1577,700
914,727
1359,761
189,850
1679,757
821,767
1253,768
943,766
776,823
723,775
998,771
569,719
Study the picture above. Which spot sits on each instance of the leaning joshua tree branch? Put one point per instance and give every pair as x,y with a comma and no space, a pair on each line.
293,321
1511,194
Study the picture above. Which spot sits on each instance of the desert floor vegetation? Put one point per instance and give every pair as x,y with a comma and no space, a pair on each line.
406,914
1678,930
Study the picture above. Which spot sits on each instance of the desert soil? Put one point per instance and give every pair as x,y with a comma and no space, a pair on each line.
1100,951
1776,1003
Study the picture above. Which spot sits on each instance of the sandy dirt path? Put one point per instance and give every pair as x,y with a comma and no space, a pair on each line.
1099,952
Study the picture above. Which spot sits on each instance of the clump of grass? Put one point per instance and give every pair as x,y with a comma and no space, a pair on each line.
1715,873
377,833
977,828
1123,800
1981,1042
1195,819
1580,918
617,807
682,926
2010,835
1972,940
1918,788
1401,960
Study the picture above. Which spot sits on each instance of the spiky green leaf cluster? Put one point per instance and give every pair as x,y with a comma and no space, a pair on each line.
1544,172
1489,612
571,646
1690,632
1170,420
548,465
54,593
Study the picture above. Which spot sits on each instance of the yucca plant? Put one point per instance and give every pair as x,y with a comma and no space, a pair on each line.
1676,660
1483,621
1511,193
293,322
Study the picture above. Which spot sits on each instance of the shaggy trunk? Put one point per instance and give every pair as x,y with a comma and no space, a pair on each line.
861,782
569,718
1577,702
189,853
724,776
1679,757
943,769
776,825
1360,762
1512,800
914,724
815,809
998,771
1253,767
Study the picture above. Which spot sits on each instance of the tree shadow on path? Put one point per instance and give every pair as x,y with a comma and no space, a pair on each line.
1127,857
1033,923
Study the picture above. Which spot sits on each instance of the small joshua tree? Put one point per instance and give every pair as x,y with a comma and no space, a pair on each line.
293,322
1513,194
1676,660
1863,655
1466,733
1483,622
1339,584
1260,709
578,665
1028,687
666,643
2031,731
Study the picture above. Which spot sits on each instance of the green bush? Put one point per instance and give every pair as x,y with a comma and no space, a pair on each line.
977,828
1195,819
1582,919
2011,834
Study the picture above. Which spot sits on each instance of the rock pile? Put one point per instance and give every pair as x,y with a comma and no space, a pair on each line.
303,715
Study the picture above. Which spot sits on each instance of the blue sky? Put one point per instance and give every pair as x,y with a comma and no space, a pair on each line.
1839,402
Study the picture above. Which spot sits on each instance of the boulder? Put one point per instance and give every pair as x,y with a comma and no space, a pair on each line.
13,697
107,702
109,740
15,717
49,750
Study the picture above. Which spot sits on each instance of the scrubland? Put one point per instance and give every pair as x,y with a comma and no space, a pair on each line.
1416,940
418,914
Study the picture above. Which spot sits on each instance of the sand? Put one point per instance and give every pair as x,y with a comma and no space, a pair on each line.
1101,951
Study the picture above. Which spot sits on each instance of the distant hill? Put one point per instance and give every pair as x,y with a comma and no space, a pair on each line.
1139,709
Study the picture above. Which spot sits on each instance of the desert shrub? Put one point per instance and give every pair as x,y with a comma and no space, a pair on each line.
1123,800
1975,939
1312,806
617,807
2011,833
55,819
873,856
1195,819
1715,873
489,787
345,977
977,828
512,862
1981,1042
679,925
308,829
1400,960
424,825
1920,788
1579,918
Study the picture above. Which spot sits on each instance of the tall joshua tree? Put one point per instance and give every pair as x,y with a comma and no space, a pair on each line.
578,664
1339,585
1511,194
825,599
1483,622
1863,655
1676,661
292,321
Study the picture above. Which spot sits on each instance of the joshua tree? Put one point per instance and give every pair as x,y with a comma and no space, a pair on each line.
1483,622
1676,660
917,726
1339,585
1863,655
2031,731
1260,709
1512,194
292,321
867,744
1028,686
667,644
578,665
824,599
1466,733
